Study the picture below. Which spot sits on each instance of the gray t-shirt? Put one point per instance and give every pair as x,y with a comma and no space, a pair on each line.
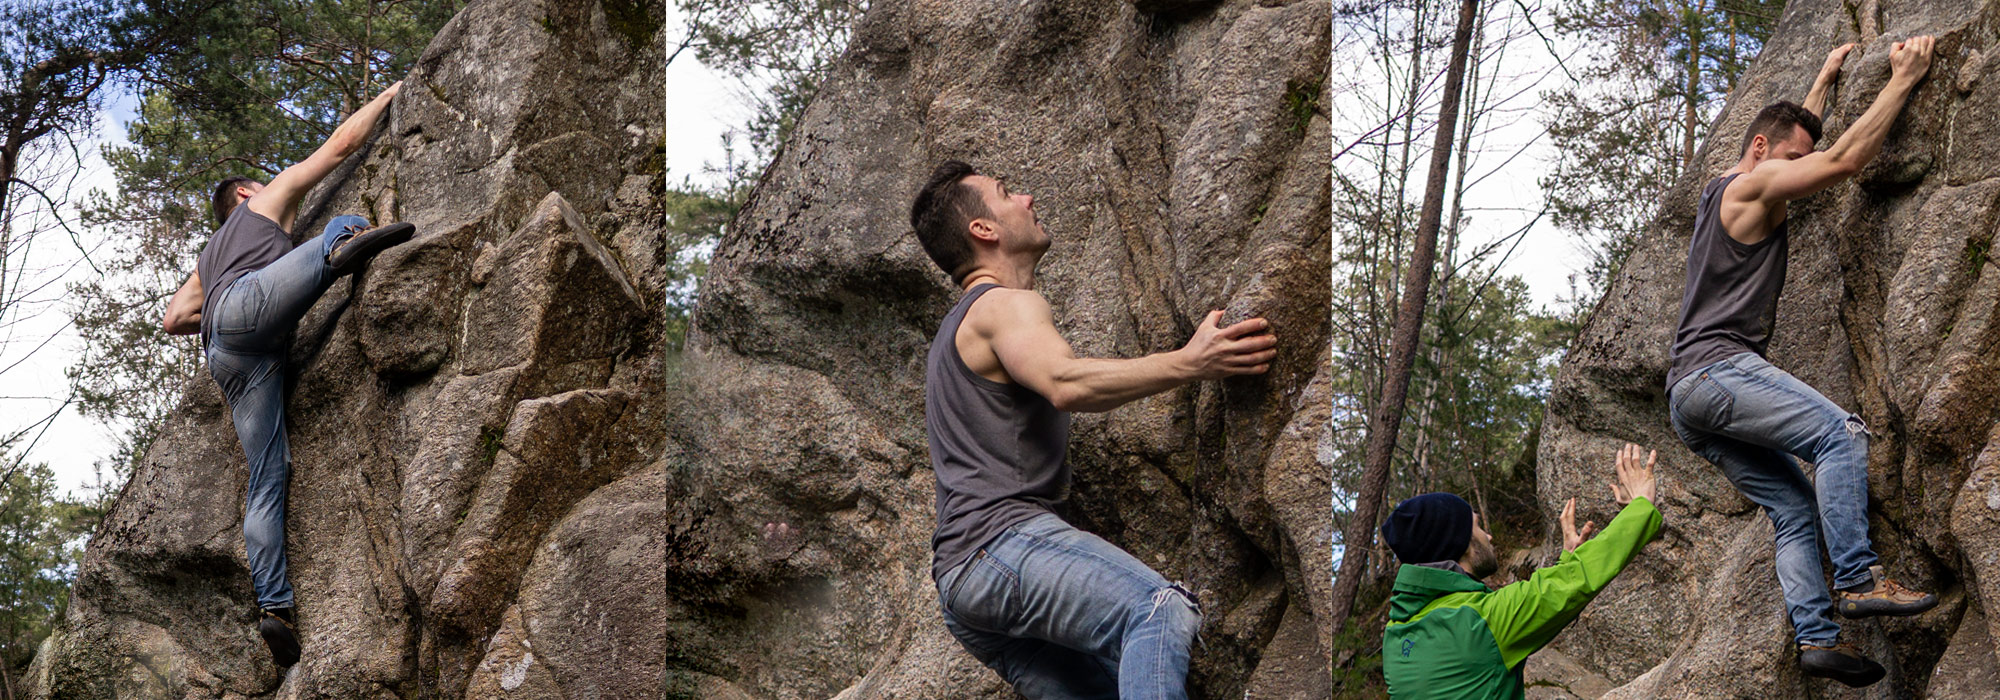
247,241
997,449
1731,300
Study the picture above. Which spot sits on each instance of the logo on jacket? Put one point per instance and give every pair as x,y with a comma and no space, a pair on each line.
1408,644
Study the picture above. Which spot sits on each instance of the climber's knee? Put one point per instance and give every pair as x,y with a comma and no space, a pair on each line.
1175,609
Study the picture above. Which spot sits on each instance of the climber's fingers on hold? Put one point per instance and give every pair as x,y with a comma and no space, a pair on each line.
1251,359
1241,328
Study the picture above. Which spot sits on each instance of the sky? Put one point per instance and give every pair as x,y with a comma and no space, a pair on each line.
701,106
1511,153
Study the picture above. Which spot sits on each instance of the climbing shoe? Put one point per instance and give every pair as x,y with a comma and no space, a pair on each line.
1882,596
1841,662
275,626
359,247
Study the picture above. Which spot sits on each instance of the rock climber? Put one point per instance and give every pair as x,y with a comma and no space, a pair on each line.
1749,418
250,288
1057,612
1449,636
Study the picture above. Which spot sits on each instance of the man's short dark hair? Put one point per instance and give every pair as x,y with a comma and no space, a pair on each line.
1776,121
945,207
225,200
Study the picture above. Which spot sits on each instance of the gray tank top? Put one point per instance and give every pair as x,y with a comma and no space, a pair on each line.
1731,300
247,241
997,449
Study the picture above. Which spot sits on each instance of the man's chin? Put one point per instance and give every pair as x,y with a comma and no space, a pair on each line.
1485,569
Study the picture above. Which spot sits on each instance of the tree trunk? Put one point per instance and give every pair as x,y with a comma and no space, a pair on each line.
1692,113
1359,538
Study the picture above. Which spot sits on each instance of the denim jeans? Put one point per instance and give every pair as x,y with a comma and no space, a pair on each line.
1750,419
249,334
1061,613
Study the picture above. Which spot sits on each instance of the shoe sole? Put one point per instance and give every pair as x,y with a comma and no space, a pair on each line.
281,640
1851,680
364,246
1867,675
1862,610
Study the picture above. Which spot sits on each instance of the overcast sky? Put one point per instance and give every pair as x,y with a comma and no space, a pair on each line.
700,107
1510,154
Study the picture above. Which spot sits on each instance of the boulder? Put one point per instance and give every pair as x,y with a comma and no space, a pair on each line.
1179,162
1889,312
473,417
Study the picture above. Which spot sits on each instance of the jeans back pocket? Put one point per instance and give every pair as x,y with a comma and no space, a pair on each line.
1706,404
240,304
987,595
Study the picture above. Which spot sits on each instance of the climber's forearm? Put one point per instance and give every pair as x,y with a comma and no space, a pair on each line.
184,309
279,201
1863,140
1830,71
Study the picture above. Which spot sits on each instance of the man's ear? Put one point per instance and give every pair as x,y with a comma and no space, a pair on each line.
983,229
243,194
1760,146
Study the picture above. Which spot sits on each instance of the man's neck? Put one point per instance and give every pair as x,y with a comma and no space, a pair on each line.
1012,277
1743,166
1458,566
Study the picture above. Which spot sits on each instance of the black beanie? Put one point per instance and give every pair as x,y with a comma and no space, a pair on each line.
1429,528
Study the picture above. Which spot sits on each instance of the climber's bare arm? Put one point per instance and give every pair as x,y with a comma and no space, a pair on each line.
279,201
1777,181
184,310
1010,337
1816,97
1750,201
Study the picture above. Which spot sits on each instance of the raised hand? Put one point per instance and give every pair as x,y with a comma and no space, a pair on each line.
1572,537
1911,58
1242,348
1635,478
1835,57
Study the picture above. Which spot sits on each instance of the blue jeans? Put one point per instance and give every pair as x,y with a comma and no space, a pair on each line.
249,334
1750,419
1061,613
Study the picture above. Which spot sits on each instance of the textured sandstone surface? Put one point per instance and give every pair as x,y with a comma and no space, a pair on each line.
1175,178
1890,312
506,486
475,495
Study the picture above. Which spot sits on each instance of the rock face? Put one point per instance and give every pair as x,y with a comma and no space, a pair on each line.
506,485
1178,163
475,501
1890,311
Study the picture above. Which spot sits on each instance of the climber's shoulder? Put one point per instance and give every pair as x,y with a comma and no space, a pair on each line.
1003,308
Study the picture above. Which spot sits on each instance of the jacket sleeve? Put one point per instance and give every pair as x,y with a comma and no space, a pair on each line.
1526,615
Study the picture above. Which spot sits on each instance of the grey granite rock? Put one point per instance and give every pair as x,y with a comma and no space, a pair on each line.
1889,312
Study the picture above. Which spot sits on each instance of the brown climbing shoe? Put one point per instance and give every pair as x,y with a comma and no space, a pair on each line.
359,247
275,626
1883,597
1841,662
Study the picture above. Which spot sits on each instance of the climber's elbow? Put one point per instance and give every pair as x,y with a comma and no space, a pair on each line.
180,322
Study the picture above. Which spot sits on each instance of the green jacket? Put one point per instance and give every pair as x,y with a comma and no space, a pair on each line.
1449,636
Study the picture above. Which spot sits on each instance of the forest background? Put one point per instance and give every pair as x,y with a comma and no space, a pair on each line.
1571,120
